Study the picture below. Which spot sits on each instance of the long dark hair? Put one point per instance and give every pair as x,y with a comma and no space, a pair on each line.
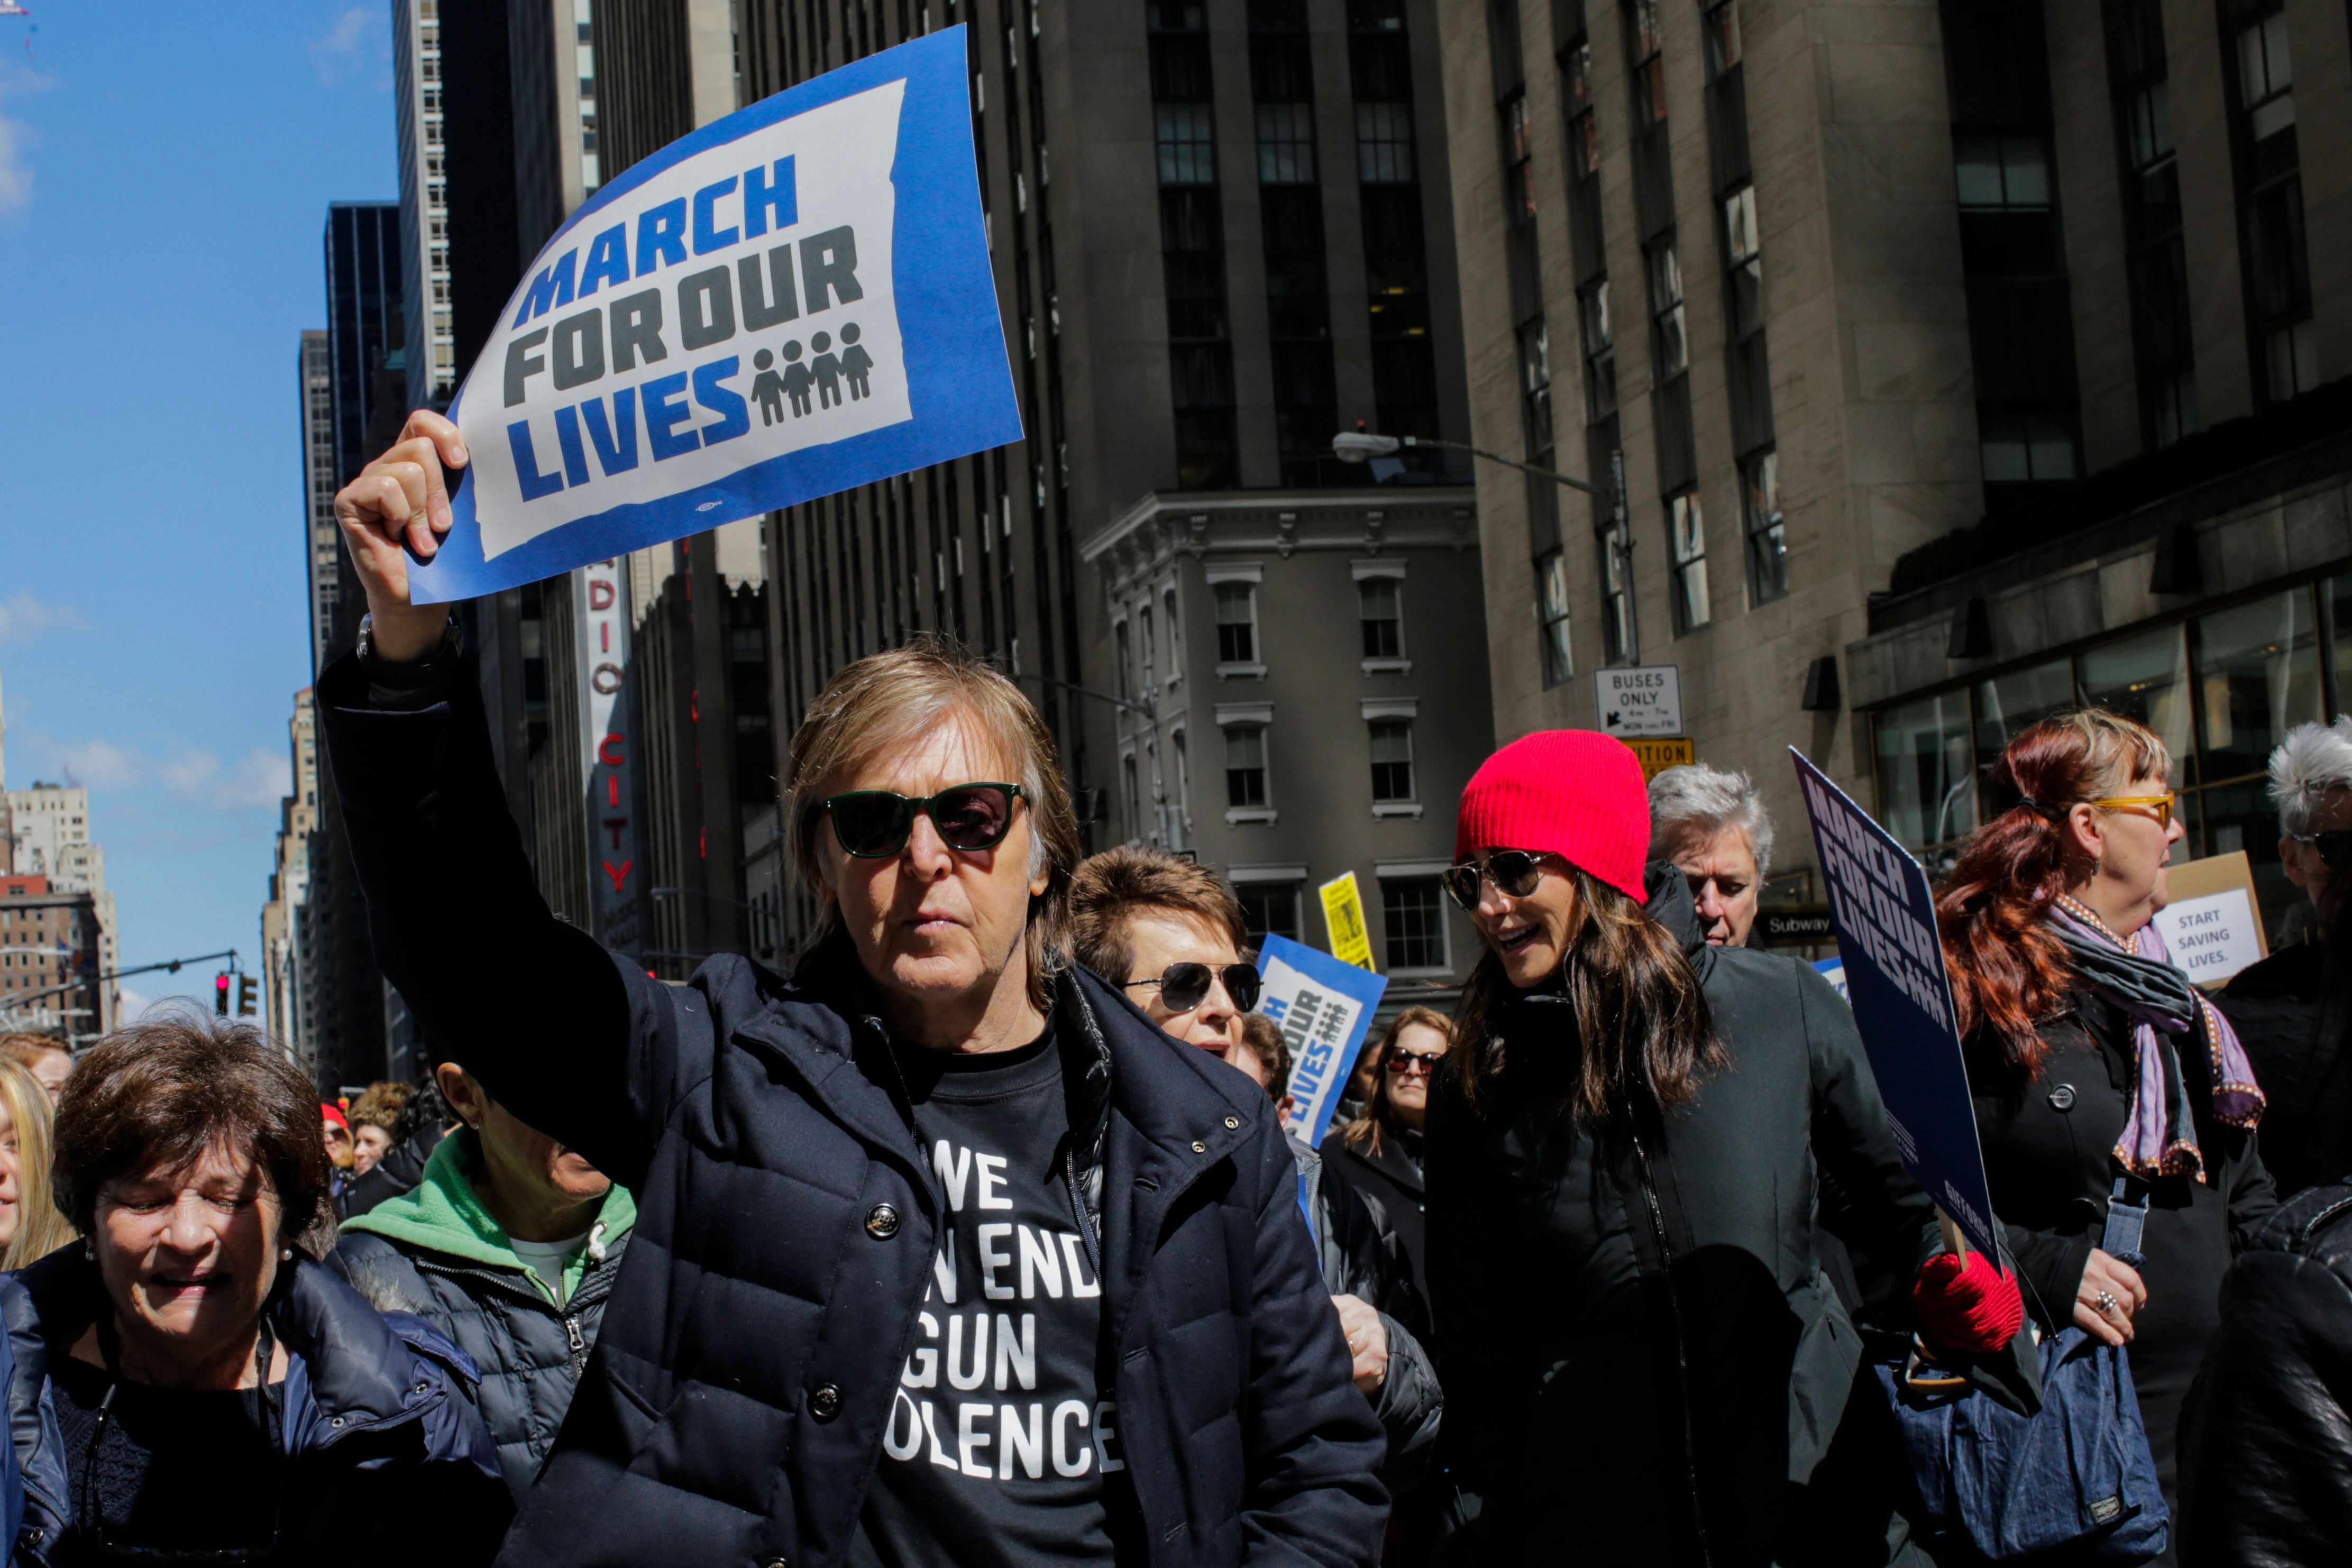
1364,1132
2009,973
1640,1019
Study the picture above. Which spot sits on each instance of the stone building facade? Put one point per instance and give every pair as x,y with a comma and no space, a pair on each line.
1938,340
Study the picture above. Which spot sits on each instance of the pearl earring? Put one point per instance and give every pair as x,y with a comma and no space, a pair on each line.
286,1254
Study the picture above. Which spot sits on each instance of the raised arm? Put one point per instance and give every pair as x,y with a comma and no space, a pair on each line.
576,1043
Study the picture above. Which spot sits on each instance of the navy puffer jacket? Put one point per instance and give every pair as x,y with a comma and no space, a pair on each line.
734,1409
378,1427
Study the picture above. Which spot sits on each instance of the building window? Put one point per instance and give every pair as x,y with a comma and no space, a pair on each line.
1188,144
1670,349
1237,623
1126,647
1743,261
1286,144
1380,607
1551,617
1616,604
1134,802
1384,143
2277,266
1175,635
1647,41
1192,248
1391,760
1245,766
2156,255
1290,223
1413,917
1767,544
1600,351
1269,909
1686,535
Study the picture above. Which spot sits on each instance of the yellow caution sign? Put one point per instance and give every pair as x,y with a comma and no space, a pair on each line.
1343,916
1659,753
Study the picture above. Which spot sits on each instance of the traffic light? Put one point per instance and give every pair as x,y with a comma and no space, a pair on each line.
248,996
220,995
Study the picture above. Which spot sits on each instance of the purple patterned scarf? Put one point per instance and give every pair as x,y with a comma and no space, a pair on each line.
2137,975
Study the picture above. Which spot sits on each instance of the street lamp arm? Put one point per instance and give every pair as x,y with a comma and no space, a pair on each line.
1553,475
172,963
1128,704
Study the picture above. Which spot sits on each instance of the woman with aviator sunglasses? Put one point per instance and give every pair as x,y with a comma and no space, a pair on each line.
1641,1352
2101,1075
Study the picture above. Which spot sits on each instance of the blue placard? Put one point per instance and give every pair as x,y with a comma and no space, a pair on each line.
791,301
1324,1008
1886,920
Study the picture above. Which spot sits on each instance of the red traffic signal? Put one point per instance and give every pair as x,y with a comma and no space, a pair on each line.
220,995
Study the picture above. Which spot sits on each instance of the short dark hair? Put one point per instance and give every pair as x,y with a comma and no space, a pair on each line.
1113,888
1262,1037
158,1093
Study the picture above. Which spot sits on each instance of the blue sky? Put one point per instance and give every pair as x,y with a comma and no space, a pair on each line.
164,175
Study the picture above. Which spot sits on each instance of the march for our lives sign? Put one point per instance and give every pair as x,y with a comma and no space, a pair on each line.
1324,1008
791,301
1886,921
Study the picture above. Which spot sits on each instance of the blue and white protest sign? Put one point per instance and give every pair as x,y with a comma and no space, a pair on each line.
791,301
1324,1008
1834,971
1902,999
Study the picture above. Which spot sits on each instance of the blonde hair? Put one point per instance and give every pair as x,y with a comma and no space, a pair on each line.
890,699
41,1224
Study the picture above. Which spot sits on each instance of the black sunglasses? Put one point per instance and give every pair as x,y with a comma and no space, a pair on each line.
874,824
1183,987
1513,871
2335,847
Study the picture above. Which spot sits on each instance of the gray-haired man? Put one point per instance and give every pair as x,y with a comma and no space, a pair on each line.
2307,1132
1713,826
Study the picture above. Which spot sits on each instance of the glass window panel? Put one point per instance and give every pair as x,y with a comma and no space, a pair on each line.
1412,916
1269,909
1978,160
2240,816
1551,617
2009,705
2258,668
2144,678
2336,604
1236,623
1925,793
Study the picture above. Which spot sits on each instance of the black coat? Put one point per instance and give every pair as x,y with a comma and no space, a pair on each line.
2048,1154
733,1411
1392,1181
398,1172
2266,1444
1564,1377
528,1350
2275,1006
388,1464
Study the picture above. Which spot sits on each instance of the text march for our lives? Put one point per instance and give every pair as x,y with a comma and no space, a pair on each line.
1885,916
789,302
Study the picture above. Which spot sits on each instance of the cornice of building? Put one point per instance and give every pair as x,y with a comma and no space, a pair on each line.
1166,524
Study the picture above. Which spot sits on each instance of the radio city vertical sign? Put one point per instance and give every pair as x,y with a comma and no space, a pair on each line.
600,603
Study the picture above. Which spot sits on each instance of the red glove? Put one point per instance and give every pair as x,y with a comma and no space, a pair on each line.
1972,1307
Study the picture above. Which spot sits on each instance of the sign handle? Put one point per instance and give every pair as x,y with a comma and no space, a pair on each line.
1952,1237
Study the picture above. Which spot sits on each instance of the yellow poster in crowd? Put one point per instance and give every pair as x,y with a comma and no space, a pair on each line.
1343,916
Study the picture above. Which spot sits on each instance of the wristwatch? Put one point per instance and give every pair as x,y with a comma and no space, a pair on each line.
452,645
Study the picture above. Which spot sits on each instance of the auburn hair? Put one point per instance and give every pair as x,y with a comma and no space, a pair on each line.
1640,1019
1364,1132
2009,973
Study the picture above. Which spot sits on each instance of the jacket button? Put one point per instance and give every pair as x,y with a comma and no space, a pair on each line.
774,1563
1232,1121
881,1222
2062,1097
1199,1147
825,1403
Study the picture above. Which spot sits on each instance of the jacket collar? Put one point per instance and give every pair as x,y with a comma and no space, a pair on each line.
352,1372
1667,898
444,1214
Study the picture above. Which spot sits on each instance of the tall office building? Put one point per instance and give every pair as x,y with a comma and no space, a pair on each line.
1220,235
282,959
420,113
322,559
1966,362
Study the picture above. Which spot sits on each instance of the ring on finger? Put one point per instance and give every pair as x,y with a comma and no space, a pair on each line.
2105,1302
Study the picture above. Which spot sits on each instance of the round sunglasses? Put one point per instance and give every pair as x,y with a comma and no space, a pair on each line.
1514,873
874,824
1183,987
2335,846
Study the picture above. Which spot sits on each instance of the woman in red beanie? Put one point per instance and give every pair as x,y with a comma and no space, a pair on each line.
1645,1362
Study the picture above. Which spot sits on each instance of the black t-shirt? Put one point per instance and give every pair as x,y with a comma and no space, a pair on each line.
1001,1431
178,1470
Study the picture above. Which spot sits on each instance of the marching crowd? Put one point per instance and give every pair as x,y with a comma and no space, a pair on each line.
978,1238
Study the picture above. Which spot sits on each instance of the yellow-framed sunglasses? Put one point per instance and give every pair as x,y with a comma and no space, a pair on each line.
2160,807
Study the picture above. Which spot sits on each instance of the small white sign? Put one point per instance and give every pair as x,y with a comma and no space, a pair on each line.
2212,938
1642,699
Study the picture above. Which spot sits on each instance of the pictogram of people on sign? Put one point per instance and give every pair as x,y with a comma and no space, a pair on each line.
828,376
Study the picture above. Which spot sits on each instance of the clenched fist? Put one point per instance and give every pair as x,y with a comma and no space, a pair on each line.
400,503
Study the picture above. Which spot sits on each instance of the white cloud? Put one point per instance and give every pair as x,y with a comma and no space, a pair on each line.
133,1004
261,777
102,764
15,138
358,39
24,618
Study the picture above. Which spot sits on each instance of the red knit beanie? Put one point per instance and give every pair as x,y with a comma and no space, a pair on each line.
1570,792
